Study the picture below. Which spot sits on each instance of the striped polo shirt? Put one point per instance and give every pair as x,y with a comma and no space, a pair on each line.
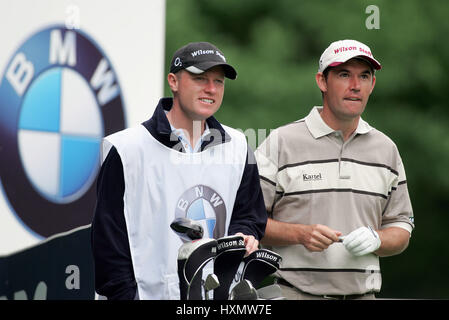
309,175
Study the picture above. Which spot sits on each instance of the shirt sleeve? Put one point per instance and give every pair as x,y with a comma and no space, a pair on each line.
267,162
399,212
114,275
249,215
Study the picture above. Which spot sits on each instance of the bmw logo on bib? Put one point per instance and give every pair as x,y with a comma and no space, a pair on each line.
205,206
59,96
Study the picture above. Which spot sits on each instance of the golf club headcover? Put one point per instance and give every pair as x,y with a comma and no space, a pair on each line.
260,264
193,288
183,285
192,257
230,252
187,229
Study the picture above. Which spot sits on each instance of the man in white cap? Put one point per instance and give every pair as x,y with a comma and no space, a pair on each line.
335,187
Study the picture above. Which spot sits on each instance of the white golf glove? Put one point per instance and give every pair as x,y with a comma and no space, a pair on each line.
362,241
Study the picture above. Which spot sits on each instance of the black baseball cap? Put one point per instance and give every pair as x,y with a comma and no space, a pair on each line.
197,57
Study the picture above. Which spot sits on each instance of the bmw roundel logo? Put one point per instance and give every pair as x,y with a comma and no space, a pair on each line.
205,206
59,96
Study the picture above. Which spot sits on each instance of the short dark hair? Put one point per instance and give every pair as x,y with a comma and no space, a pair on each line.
326,72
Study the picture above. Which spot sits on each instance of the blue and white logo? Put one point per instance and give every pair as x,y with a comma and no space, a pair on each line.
68,126
59,96
205,206
202,211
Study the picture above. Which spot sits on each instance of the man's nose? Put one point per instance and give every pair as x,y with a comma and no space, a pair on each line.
355,83
210,87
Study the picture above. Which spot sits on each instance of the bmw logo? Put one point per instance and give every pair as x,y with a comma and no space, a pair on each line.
205,206
59,96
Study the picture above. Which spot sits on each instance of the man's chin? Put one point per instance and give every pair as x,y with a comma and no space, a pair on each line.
201,115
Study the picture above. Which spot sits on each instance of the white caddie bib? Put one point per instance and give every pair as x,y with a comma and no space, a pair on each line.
162,184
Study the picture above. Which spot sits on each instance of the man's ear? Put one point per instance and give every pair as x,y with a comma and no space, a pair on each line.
173,82
321,81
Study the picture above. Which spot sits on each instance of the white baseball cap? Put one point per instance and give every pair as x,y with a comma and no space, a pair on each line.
341,51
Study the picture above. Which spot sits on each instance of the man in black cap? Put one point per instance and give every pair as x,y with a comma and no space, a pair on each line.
180,163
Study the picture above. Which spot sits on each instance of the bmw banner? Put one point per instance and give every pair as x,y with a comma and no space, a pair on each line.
71,72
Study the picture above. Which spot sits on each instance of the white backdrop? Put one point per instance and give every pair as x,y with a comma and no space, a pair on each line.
131,34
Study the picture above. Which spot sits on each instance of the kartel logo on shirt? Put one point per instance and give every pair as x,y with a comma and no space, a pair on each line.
312,177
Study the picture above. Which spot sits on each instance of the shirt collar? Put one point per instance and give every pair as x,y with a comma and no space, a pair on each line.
181,134
318,128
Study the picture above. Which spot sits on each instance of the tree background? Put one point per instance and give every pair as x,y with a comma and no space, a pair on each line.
275,47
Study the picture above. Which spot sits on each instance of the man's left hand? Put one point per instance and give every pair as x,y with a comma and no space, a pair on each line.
251,243
362,241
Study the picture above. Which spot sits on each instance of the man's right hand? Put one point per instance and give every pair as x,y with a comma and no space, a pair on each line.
317,237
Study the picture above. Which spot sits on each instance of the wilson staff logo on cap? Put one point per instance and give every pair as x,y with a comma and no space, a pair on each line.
198,57
341,51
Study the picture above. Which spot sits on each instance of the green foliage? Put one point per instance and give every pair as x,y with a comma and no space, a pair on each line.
275,47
